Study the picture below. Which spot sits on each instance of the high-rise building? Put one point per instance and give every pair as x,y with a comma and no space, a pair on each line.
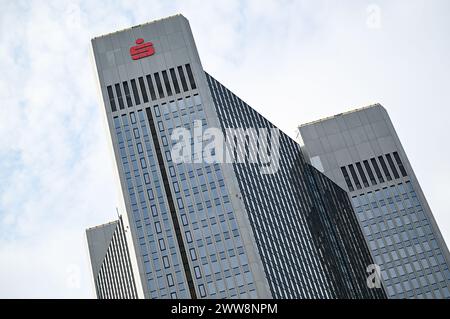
255,221
111,263
361,152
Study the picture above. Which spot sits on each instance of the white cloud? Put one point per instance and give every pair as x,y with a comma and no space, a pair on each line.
294,61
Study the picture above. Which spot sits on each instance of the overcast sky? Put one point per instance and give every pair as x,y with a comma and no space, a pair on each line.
293,61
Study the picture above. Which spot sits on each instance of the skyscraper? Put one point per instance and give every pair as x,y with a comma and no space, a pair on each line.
361,152
112,269
256,221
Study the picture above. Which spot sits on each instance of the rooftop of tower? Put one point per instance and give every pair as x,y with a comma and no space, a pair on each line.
140,25
340,114
102,225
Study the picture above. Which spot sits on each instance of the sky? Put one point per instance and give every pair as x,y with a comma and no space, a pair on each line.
293,61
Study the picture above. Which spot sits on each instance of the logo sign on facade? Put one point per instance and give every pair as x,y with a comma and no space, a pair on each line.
141,49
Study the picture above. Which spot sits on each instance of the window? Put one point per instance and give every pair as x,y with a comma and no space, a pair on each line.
139,148
181,104
369,171
202,290
366,230
355,177
158,227
170,280
392,166
197,100
173,107
180,203
385,169
158,85
176,187
347,179
127,94
167,83
390,291
398,287
193,254
157,111
190,76
111,99
166,262
362,174
189,237
400,164
133,118
189,102
154,210
377,170
174,80
355,202
182,78
197,272
135,92
143,90
162,244
119,96
184,220
151,87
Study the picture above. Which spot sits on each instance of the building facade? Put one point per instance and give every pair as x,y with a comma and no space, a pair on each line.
361,152
309,241
205,229
111,262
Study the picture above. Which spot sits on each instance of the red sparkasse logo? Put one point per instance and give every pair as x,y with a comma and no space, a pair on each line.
142,49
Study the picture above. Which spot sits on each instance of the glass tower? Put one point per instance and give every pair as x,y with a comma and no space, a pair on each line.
204,229
361,152
303,223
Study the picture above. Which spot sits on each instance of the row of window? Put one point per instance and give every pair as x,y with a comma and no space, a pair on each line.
215,247
175,109
207,273
170,200
277,207
407,290
154,86
115,279
400,237
136,136
370,173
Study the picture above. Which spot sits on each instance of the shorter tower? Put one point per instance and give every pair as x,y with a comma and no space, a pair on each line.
110,260
361,152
